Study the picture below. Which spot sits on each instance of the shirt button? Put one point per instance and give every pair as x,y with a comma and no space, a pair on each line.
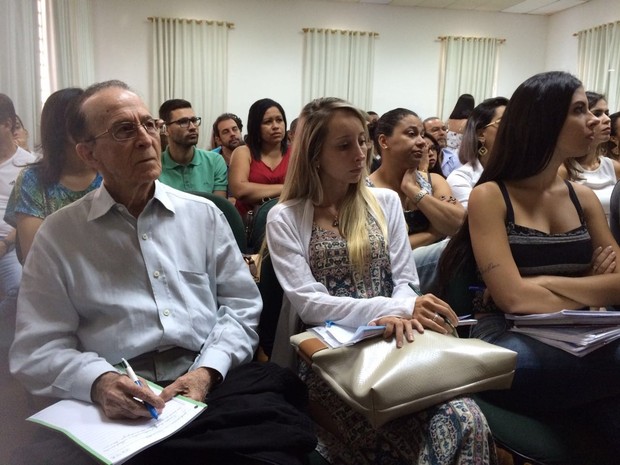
166,312
145,236
156,274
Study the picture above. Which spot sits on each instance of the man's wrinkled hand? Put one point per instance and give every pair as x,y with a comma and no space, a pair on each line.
195,385
117,394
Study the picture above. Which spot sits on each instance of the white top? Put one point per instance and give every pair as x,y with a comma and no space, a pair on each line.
601,180
289,227
99,285
9,170
463,179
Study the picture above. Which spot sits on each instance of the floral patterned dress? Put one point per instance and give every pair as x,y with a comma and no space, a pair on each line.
454,432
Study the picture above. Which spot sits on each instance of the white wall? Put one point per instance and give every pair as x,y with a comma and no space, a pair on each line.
265,47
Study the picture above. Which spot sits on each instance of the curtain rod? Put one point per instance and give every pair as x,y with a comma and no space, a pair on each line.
601,26
199,21
341,31
501,41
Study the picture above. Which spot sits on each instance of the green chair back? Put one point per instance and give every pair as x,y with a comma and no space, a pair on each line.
258,223
232,215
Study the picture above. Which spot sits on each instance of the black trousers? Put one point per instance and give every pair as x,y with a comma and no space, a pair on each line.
255,416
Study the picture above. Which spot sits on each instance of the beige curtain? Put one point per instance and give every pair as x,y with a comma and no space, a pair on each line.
469,65
338,64
70,43
598,58
19,72
190,62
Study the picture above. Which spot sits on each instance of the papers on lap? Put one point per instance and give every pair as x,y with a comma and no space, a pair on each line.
115,441
578,332
337,336
573,317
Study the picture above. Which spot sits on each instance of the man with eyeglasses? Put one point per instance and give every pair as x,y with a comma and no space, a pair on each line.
449,158
186,167
139,270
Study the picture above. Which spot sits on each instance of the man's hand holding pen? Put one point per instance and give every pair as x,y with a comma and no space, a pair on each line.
117,394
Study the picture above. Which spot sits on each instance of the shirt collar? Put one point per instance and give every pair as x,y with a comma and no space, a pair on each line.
169,163
103,201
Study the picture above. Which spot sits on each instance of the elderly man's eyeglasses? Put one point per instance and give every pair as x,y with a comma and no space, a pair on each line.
493,123
126,130
184,122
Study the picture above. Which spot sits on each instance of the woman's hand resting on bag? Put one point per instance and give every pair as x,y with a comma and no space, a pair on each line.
400,328
429,312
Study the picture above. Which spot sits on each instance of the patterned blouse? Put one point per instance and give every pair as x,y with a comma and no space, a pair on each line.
30,198
330,265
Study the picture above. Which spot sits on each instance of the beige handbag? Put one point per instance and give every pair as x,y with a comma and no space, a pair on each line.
383,382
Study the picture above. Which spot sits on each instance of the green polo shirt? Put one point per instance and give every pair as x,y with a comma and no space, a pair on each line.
206,172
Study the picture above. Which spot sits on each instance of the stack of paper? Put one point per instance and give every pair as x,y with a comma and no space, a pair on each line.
337,336
575,331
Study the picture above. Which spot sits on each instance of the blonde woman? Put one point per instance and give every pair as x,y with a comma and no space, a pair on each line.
341,253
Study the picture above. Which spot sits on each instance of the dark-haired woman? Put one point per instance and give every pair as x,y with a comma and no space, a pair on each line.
594,169
433,149
59,178
613,146
478,140
20,134
531,235
257,169
430,210
458,119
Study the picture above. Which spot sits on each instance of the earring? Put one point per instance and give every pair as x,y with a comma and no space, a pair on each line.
482,151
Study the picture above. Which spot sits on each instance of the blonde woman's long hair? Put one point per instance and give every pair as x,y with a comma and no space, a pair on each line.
303,181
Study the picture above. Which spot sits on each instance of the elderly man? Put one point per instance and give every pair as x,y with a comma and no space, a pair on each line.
139,270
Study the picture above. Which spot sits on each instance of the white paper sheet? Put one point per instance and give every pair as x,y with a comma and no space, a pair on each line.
115,441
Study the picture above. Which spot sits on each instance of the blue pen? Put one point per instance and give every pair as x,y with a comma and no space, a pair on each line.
134,378
328,323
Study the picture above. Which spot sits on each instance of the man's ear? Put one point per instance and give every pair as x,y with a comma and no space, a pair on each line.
218,141
86,154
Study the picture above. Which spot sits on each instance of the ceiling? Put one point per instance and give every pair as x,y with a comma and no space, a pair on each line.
534,7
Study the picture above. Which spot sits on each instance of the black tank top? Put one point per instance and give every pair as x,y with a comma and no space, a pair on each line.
538,253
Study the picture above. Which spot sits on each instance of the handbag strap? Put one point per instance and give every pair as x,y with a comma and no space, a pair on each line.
309,347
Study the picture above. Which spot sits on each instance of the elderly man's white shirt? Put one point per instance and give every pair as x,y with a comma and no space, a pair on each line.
100,284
